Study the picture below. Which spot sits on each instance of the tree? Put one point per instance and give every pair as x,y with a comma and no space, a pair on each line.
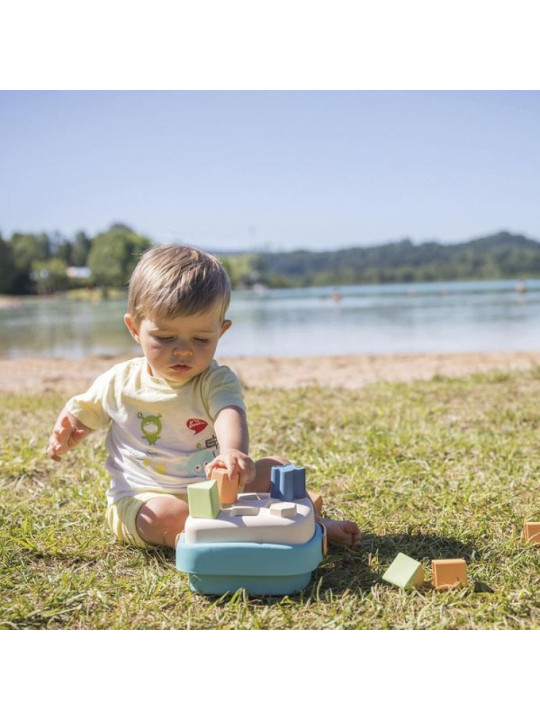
114,255
63,251
7,268
80,249
27,249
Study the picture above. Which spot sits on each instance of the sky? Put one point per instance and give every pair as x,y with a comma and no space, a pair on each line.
272,170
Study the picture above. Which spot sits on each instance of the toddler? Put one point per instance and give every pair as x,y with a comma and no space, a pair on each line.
173,414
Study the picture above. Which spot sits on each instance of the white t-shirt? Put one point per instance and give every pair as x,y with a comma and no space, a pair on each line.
161,434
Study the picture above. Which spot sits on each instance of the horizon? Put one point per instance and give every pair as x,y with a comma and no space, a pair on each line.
390,241
269,171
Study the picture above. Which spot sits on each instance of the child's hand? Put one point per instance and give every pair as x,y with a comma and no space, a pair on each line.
68,432
238,465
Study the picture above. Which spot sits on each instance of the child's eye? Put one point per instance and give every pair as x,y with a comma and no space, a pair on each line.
165,339
201,340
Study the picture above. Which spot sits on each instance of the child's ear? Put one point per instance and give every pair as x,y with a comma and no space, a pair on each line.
225,326
130,324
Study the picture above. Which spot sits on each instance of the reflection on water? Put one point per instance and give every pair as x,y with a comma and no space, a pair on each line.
434,317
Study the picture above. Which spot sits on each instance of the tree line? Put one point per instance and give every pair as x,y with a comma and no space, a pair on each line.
499,256
38,263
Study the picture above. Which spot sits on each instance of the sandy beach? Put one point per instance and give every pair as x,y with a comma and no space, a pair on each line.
69,376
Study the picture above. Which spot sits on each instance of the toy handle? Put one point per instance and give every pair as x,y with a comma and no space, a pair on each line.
324,537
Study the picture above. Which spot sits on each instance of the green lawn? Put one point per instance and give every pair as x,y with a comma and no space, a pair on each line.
438,469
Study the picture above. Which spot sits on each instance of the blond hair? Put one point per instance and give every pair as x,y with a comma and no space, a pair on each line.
172,280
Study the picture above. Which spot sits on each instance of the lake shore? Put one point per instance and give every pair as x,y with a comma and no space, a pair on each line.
69,376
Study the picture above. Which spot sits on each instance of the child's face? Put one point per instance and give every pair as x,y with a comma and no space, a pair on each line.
180,348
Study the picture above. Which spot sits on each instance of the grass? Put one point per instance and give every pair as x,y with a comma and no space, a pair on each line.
434,469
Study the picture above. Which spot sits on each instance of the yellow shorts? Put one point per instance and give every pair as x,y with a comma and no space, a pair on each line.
122,515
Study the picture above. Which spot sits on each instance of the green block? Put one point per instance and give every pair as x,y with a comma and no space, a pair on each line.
203,499
404,572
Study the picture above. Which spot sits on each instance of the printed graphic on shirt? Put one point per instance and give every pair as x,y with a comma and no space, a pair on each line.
196,463
160,468
197,425
149,460
150,427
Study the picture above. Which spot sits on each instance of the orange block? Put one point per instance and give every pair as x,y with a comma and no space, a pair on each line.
227,488
448,574
531,531
316,499
324,538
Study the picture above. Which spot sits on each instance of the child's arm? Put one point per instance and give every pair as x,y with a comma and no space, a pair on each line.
67,432
232,434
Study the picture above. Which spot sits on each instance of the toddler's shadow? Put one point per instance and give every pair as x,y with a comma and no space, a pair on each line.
351,569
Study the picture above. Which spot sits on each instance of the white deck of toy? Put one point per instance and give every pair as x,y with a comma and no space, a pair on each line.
264,527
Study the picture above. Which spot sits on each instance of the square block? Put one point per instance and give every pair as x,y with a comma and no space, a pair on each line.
531,532
405,572
283,509
203,499
227,488
448,574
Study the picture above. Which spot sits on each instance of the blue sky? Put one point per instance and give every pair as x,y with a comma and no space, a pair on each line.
272,169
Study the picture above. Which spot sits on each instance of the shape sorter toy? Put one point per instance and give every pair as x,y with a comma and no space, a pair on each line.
531,532
405,572
448,574
266,543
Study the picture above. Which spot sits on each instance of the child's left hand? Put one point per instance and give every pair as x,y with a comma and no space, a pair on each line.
238,465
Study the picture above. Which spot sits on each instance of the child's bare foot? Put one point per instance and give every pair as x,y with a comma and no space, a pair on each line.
341,532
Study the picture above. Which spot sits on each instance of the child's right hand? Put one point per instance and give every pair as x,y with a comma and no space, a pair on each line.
68,432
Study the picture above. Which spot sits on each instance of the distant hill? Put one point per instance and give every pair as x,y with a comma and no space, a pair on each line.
487,258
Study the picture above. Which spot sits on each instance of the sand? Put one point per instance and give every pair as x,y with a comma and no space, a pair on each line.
69,376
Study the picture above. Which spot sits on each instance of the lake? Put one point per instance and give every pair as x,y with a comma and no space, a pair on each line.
448,317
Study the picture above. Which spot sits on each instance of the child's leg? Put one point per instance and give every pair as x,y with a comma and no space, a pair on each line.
339,532
160,520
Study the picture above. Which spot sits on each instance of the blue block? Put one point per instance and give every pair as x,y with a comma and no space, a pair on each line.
288,482
259,568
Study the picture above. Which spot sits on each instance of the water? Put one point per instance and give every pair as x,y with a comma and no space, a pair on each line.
417,318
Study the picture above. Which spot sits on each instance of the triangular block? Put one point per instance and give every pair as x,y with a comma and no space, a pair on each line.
405,572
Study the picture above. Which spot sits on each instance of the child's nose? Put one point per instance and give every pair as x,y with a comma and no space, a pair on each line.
182,348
